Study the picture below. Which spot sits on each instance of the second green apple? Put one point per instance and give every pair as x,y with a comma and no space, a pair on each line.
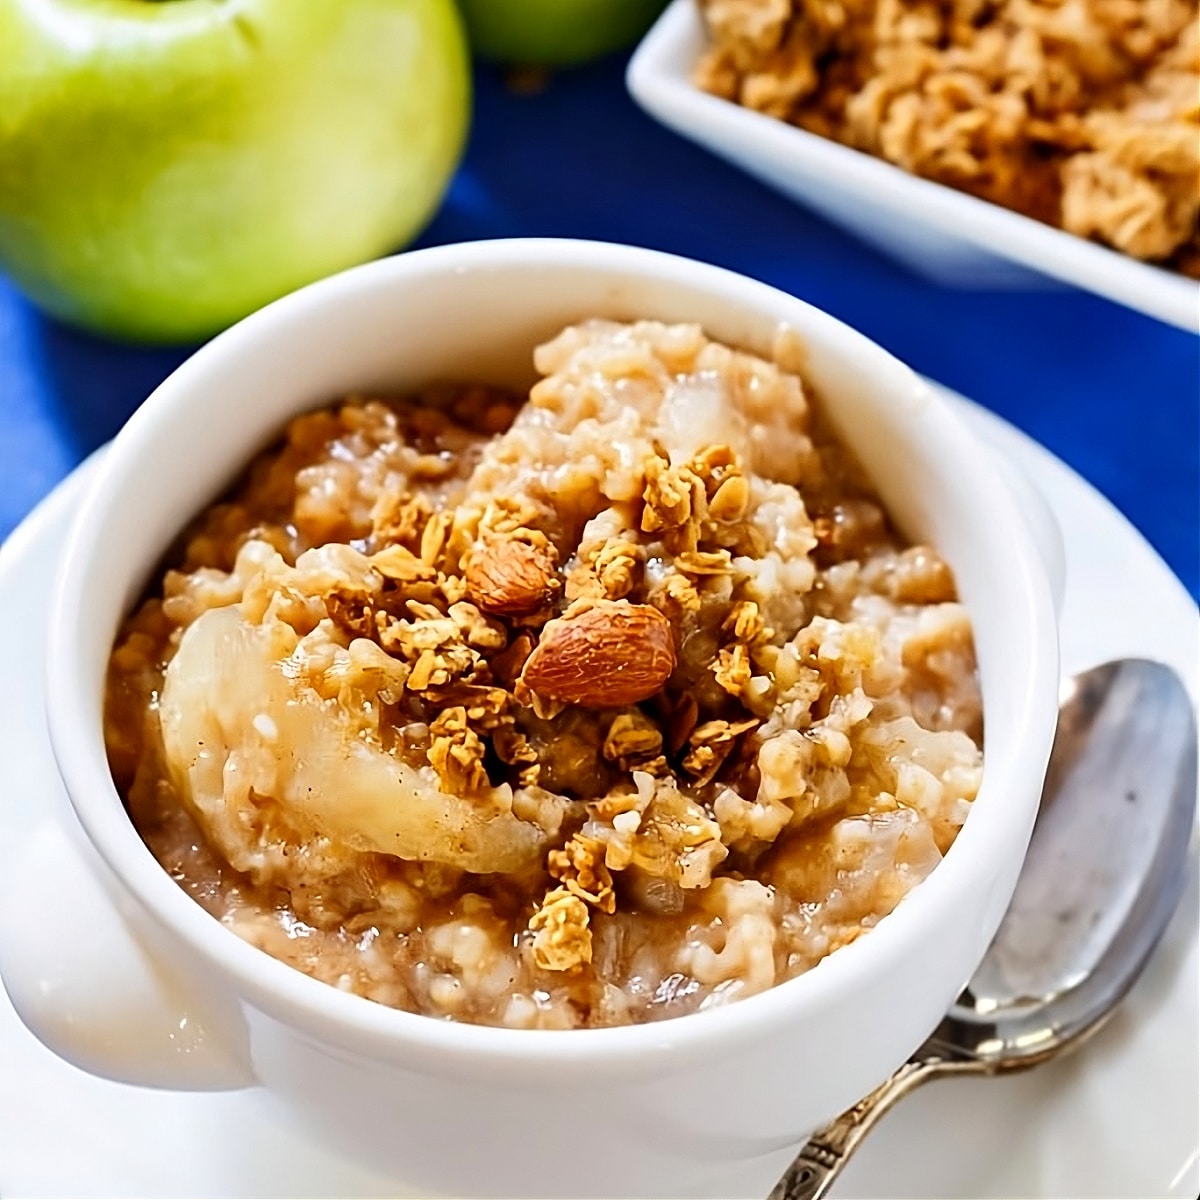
555,33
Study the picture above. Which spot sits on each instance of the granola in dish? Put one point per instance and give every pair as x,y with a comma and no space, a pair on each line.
1081,113
614,701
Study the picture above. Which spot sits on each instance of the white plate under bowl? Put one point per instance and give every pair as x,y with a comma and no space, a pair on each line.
934,230
1120,1119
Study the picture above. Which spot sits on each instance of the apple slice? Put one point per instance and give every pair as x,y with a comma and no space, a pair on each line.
263,762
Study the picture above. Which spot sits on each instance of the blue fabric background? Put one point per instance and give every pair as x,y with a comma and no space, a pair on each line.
1112,393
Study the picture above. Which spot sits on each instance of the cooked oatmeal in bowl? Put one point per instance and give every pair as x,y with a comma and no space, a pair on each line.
610,702
449,715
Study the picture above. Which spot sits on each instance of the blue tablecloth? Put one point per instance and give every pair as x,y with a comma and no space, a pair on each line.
1112,393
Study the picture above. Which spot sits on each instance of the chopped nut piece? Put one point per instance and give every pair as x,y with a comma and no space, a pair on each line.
744,622
350,609
477,630
435,669
673,495
514,516
733,670
730,501
513,748
608,655
401,564
512,577
633,739
453,588
711,744
611,572
579,865
508,664
704,562
616,566
433,538
424,611
561,937
487,707
676,597
398,517
434,648
456,754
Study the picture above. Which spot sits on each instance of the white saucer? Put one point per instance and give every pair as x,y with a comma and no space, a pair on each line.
1120,1119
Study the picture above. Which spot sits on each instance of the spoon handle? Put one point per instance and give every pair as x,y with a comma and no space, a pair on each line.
824,1155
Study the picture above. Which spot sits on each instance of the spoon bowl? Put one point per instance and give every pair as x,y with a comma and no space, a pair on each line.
1105,870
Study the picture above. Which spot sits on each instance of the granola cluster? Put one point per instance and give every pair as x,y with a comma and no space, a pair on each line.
522,712
1081,113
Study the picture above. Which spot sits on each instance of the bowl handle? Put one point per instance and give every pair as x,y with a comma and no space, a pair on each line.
85,985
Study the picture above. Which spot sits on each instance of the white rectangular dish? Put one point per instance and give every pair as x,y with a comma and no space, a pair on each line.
945,235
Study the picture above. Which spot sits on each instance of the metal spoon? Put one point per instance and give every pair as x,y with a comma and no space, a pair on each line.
1104,872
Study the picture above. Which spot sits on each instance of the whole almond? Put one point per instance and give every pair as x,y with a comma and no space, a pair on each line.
510,578
606,656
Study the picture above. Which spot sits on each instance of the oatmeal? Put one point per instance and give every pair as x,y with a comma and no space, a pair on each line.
1081,113
611,702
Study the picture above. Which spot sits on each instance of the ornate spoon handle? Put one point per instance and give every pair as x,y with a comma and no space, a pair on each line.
824,1155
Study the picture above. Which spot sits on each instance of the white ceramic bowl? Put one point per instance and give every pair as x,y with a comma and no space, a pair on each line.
115,968
934,230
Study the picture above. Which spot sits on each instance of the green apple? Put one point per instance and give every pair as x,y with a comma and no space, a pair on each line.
555,33
167,166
